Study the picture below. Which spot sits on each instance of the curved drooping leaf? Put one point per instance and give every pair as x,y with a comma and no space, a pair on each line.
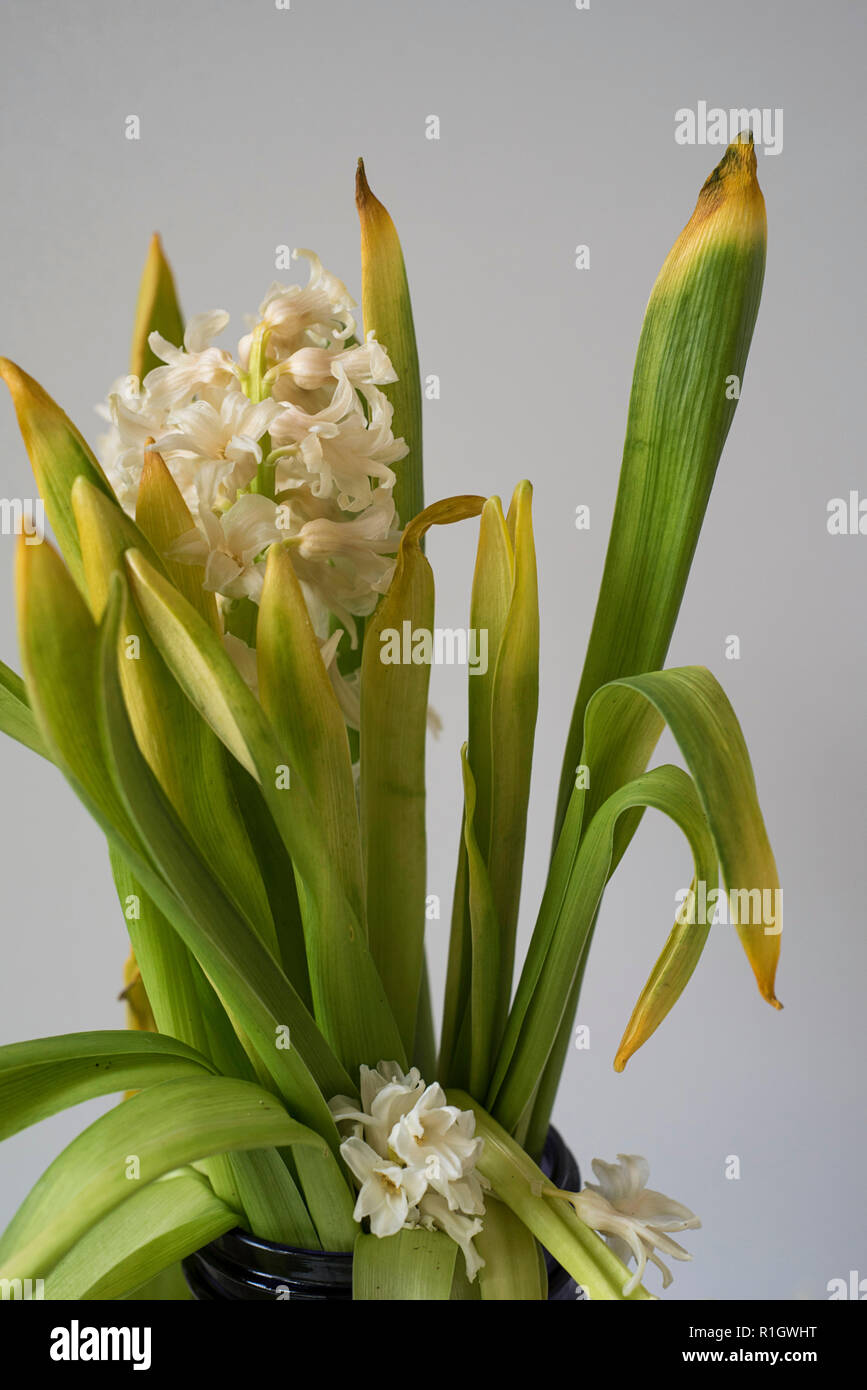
623,722
40,1077
564,927
157,1226
622,725
156,1130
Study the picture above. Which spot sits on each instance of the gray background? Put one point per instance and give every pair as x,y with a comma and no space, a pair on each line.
557,127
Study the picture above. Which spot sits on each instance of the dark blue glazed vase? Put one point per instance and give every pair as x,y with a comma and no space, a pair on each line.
238,1266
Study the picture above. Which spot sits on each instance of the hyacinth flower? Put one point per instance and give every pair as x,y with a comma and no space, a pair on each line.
202,661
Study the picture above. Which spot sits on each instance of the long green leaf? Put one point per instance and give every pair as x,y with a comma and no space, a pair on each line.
182,751
157,1226
61,662
688,372
394,703
298,697
514,705
350,1003
485,948
153,1132
40,1077
387,311
231,955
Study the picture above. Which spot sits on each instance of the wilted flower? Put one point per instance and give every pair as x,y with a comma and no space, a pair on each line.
634,1220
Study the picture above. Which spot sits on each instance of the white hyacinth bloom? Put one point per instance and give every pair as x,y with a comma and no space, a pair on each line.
347,560
386,1094
202,433
401,1126
195,367
291,443
437,1134
634,1220
228,545
389,1193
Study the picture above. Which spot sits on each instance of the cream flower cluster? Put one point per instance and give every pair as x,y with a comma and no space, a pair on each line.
413,1157
290,442
635,1220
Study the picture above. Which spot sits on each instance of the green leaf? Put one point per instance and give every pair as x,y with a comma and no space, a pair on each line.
411,1266
502,703
183,1002
350,1003
16,716
157,311
298,698
157,1226
169,1286
394,702
622,726
229,952
58,455
40,1077
514,704
182,751
512,1269
387,311
156,1130
329,1198
59,643
564,927
271,1204
491,599
58,649
485,945
695,339
517,1181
